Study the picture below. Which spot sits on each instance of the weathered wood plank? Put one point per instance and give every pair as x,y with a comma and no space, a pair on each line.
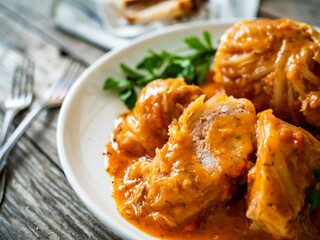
47,58
49,66
298,10
42,134
40,204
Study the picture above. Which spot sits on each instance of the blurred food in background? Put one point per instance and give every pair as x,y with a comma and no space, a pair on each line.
137,11
113,23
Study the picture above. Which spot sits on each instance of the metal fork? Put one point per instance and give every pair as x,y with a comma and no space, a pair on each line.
20,98
55,97
21,95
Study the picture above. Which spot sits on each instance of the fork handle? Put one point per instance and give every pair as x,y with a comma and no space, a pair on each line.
18,132
8,118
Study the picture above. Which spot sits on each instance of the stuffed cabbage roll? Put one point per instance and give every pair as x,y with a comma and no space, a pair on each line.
282,176
202,163
275,64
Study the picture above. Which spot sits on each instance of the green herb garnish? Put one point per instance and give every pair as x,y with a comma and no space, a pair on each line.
314,199
193,66
314,196
317,173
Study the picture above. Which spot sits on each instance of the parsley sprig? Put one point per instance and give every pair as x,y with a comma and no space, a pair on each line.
314,196
192,64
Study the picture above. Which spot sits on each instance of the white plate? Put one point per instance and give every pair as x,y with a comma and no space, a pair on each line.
87,115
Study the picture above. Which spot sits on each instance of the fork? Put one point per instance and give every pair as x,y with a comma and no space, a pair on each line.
20,99
55,97
21,94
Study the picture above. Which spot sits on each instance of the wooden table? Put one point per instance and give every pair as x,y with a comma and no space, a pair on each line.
39,202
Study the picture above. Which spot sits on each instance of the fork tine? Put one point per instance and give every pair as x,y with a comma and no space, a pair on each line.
68,69
61,87
28,87
70,76
75,74
78,70
57,83
22,77
75,69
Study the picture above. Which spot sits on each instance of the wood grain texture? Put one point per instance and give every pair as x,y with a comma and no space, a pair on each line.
49,66
39,202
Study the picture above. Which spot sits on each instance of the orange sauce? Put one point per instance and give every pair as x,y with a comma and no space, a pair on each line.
277,70
225,221
219,222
